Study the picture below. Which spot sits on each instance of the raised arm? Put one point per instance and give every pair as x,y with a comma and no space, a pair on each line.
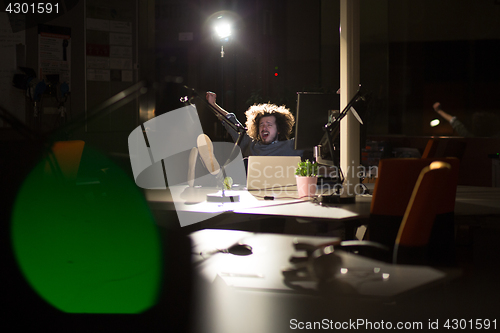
231,117
454,122
439,110
211,97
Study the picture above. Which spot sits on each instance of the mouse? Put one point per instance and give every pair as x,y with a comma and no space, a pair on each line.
240,249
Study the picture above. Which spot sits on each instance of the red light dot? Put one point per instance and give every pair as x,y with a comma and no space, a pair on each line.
275,74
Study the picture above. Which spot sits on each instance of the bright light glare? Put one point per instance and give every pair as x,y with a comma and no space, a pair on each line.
343,271
435,122
223,30
328,249
90,250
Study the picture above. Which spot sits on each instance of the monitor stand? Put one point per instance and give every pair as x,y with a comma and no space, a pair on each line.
335,198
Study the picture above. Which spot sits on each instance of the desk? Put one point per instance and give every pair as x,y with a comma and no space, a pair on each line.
191,207
471,202
248,294
477,201
271,253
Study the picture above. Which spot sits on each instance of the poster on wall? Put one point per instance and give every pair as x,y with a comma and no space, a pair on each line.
109,50
13,55
110,61
54,54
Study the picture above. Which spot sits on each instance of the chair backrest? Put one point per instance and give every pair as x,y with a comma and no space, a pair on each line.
393,189
67,156
416,226
396,181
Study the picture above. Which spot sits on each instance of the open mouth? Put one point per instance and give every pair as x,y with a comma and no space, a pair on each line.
264,135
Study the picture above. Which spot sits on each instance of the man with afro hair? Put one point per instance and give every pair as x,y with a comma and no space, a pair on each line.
268,130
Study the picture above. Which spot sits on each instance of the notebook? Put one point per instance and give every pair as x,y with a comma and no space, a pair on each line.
272,175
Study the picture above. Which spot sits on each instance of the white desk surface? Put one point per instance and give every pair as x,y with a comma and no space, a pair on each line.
470,201
261,270
194,200
473,200
249,294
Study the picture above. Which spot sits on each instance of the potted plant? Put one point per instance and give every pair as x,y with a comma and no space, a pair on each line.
307,178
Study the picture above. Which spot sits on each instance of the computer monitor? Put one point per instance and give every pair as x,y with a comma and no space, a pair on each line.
312,116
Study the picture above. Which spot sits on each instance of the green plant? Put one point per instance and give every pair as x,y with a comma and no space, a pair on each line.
228,183
307,169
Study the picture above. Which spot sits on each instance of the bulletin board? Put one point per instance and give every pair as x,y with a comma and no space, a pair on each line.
111,47
54,52
13,54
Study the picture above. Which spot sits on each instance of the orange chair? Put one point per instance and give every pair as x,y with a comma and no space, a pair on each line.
414,233
66,158
427,199
393,189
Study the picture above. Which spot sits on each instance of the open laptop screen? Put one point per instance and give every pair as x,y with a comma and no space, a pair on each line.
271,172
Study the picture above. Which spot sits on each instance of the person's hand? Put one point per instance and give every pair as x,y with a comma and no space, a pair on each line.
211,97
437,106
439,110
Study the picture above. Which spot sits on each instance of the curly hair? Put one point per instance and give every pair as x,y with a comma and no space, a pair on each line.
284,120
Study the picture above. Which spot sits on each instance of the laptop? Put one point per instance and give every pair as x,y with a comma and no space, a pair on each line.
272,175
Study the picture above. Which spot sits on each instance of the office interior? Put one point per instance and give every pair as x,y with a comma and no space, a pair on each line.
411,55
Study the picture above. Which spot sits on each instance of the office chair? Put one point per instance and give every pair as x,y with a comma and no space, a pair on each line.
412,241
393,189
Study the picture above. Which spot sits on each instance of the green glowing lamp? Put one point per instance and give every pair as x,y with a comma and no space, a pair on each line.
91,247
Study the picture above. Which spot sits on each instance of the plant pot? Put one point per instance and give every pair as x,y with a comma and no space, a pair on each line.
306,186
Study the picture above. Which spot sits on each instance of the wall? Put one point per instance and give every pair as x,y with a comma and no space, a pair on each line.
110,133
